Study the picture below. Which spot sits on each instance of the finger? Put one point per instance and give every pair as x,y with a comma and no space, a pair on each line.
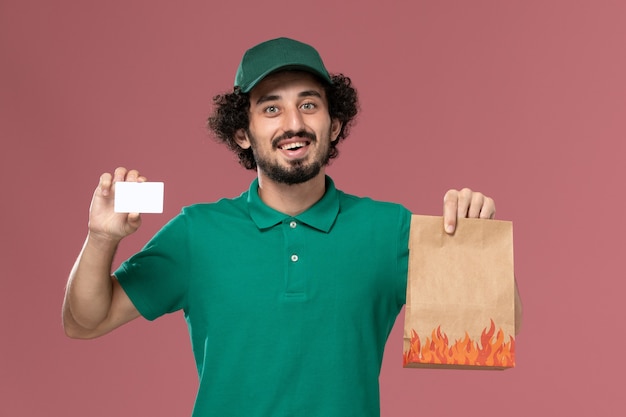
476,204
450,204
104,185
464,203
119,174
141,178
488,211
132,175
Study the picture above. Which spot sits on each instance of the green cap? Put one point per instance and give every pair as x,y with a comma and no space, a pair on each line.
277,54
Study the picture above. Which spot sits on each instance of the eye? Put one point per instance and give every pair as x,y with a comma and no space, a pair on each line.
308,106
271,109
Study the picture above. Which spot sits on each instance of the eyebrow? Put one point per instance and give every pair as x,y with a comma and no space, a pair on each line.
307,93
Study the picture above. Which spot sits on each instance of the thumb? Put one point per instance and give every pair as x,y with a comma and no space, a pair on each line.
134,221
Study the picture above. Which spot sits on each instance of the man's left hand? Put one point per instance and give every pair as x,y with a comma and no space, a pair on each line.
466,203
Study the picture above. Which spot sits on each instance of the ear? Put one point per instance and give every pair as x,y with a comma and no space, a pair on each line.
335,128
241,137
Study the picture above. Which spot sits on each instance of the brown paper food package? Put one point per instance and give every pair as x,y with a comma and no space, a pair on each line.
460,306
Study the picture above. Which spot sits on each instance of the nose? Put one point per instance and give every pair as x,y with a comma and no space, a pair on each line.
293,120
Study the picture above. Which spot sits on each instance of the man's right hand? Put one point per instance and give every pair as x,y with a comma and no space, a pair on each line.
104,223
95,302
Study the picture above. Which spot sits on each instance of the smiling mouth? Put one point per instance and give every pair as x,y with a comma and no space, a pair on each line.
293,146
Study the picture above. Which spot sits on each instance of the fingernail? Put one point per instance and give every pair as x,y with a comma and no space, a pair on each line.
449,228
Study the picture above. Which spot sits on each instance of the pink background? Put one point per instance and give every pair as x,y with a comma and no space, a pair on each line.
523,100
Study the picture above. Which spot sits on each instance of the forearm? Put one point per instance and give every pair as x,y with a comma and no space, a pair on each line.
89,290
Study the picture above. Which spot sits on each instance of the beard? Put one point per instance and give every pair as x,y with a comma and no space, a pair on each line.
298,171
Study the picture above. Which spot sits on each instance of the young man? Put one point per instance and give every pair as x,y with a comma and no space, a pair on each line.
289,290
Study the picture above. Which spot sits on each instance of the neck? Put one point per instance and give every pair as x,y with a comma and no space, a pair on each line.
291,199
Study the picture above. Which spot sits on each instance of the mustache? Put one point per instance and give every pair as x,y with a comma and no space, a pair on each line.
291,134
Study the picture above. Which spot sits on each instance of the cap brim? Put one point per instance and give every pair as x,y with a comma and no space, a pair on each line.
285,67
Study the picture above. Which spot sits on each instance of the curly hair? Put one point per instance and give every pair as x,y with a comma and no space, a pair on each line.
230,114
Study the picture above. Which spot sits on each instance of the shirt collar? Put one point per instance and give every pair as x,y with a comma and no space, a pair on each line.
320,215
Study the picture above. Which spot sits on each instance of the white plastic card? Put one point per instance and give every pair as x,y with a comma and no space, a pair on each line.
138,197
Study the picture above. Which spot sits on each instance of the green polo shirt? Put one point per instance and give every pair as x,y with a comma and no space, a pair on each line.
288,315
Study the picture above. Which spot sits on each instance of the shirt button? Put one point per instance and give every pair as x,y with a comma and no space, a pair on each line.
294,258
293,224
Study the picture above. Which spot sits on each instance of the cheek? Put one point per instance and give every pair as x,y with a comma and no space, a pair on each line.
263,127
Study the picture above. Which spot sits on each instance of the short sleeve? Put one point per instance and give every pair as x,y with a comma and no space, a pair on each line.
156,279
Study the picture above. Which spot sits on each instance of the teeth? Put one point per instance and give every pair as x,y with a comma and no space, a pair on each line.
293,145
